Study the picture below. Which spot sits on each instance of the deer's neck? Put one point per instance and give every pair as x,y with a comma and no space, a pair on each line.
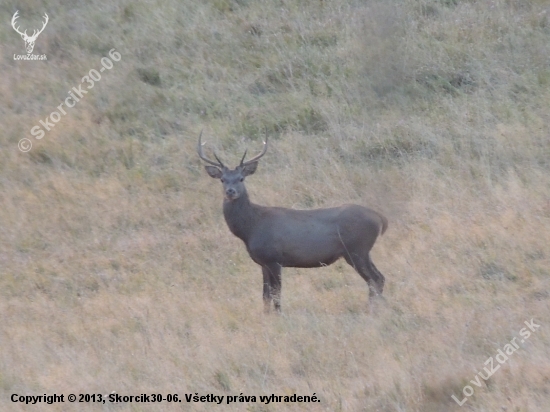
241,216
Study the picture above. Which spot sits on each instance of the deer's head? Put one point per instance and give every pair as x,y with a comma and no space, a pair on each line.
29,40
232,180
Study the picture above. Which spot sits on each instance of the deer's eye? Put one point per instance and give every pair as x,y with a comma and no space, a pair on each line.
241,179
222,180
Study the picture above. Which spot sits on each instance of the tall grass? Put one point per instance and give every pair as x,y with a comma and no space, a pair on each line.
118,273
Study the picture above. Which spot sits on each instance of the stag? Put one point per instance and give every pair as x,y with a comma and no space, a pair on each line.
277,237
29,40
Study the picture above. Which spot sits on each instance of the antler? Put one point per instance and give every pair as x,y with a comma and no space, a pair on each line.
255,158
15,17
203,157
35,35
35,32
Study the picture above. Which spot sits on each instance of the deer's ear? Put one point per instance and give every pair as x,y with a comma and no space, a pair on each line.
249,169
213,171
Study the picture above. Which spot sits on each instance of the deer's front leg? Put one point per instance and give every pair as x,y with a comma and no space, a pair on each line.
267,289
272,277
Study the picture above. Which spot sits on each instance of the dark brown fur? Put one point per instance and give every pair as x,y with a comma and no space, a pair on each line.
277,237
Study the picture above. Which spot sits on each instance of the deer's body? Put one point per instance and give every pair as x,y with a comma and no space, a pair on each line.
277,237
301,238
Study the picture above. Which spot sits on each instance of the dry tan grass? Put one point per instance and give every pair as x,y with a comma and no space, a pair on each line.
118,273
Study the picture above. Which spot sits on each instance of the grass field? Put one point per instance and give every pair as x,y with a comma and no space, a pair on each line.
118,272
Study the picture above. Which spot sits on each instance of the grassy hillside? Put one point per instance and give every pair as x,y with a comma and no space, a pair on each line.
117,270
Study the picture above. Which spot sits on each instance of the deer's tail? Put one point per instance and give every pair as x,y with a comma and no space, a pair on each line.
384,224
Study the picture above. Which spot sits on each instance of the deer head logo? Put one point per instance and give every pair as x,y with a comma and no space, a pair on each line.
29,40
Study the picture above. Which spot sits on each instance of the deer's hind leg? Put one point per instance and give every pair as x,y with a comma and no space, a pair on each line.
367,270
379,278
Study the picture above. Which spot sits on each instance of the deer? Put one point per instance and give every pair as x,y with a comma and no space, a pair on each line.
29,40
277,237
